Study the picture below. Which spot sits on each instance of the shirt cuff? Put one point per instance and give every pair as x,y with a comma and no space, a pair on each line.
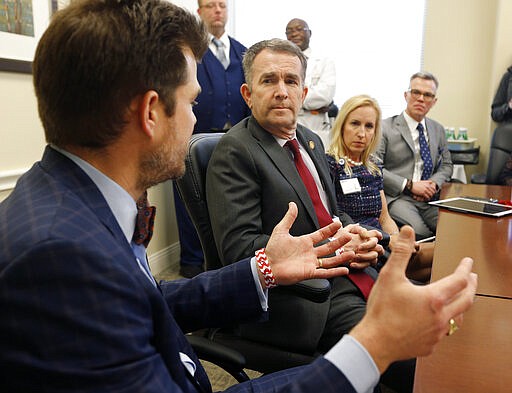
403,185
262,293
354,361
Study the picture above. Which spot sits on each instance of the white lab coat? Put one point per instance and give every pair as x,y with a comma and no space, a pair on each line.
321,84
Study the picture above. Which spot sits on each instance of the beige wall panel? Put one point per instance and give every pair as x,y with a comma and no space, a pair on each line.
459,50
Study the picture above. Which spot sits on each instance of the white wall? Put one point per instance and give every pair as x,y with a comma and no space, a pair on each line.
467,44
376,44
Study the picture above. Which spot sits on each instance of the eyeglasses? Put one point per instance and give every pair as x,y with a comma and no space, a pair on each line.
213,5
428,97
296,30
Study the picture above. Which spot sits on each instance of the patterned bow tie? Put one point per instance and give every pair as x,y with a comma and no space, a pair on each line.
145,221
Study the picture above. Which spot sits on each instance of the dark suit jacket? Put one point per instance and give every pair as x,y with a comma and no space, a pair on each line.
500,111
76,312
250,181
220,99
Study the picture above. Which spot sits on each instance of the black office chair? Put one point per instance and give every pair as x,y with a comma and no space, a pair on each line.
286,340
501,148
333,110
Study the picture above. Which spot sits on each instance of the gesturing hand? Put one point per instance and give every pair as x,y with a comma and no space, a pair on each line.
293,259
403,320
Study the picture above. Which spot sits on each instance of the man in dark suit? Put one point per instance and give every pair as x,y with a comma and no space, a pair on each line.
79,310
254,173
413,174
252,177
505,176
218,107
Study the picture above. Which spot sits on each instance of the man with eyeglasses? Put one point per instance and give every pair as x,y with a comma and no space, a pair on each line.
415,157
320,81
219,106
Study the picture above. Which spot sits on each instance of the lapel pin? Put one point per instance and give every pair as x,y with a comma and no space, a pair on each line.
312,145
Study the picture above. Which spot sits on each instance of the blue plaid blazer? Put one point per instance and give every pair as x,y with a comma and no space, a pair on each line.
77,314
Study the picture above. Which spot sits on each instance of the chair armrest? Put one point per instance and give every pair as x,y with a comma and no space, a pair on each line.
478,178
226,358
317,289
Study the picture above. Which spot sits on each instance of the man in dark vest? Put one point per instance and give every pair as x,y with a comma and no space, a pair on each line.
219,106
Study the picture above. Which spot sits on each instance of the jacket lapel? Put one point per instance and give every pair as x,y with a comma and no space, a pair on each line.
316,152
432,141
283,164
401,125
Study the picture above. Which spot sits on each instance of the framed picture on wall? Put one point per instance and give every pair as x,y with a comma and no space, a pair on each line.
22,22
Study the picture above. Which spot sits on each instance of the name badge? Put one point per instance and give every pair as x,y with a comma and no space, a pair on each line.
350,186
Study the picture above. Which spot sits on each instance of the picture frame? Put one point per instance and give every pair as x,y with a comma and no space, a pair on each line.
17,50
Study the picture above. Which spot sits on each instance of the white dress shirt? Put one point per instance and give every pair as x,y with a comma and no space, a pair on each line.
225,40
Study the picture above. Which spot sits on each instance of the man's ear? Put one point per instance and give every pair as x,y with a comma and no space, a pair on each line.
148,114
245,91
304,93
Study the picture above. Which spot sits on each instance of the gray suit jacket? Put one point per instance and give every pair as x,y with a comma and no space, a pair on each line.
250,181
396,150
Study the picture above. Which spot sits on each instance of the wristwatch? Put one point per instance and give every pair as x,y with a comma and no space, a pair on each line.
408,187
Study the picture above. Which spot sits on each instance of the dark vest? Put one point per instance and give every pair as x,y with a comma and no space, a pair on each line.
220,101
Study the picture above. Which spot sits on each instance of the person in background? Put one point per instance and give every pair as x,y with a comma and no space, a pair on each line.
218,107
501,108
415,158
505,176
320,81
220,104
358,175
79,310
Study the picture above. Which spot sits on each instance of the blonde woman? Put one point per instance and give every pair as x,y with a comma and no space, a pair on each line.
358,176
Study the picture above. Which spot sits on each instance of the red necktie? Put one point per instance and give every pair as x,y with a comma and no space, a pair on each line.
145,221
361,280
324,218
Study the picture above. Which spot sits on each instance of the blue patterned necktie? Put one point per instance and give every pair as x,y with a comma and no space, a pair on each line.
425,154
221,54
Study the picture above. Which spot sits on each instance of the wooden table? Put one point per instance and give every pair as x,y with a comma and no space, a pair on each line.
478,357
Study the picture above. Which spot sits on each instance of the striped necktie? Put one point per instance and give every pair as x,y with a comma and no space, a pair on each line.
221,53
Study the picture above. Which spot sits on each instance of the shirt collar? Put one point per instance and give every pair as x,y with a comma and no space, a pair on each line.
119,201
413,124
282,141
224,38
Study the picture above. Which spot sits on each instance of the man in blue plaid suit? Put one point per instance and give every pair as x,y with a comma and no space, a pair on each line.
79,310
